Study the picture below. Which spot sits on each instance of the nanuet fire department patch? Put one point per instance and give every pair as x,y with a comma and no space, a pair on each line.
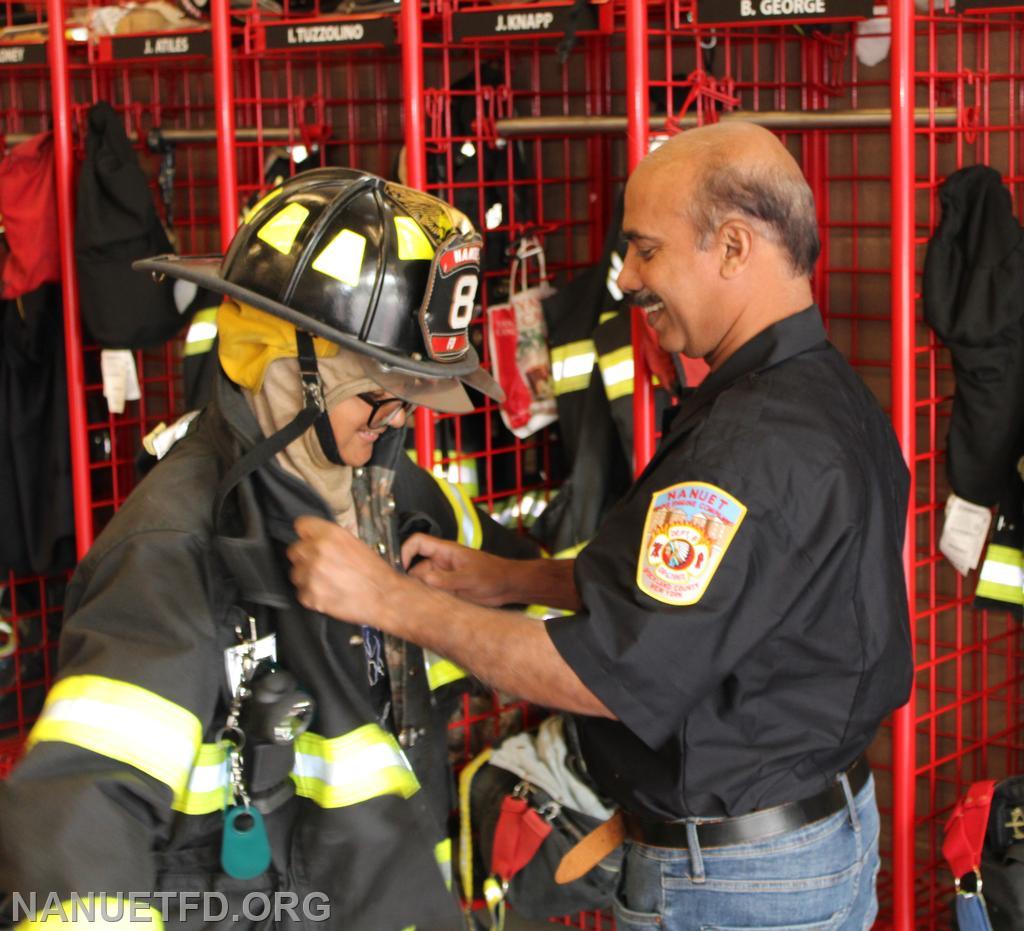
688,529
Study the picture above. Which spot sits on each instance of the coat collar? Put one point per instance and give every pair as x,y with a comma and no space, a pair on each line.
782,340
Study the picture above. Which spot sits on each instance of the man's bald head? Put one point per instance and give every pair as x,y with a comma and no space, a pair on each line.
741,168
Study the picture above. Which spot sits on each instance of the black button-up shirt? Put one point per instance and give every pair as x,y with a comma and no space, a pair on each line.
745,613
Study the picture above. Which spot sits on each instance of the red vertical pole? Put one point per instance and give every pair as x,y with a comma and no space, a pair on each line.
412,104
224,94
65,165
637,133
416,167
902,141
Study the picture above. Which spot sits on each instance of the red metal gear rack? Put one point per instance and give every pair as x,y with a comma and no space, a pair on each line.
546,183
950,94
964,722
783,75
30,605
172,93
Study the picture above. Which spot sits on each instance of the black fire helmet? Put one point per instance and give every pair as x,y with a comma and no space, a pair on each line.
386,271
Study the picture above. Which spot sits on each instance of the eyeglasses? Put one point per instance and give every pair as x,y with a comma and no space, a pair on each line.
383,411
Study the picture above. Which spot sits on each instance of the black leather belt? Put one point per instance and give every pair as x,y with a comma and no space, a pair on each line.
755,826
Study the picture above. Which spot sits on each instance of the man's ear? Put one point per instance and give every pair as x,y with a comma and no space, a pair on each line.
736,239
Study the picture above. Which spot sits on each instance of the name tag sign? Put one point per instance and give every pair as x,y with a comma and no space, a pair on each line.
529,21
989,6
371,31
167,45
759,11
32,53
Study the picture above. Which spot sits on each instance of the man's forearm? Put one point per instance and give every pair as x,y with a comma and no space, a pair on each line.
508,651
542,581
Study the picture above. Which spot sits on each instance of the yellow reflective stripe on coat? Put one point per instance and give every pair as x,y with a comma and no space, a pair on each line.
202,332
466,820
617,372
92,913
1002,575
466,517
363,764
124,722
459,470
443,855
571,365
208,783
441,671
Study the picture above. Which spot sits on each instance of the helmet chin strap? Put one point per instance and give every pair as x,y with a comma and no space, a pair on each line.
313,413
313,396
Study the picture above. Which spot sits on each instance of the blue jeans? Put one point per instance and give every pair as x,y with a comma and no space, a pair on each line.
817,877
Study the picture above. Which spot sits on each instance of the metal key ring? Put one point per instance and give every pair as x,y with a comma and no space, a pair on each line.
222,737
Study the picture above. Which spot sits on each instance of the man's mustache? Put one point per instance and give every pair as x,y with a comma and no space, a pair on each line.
643,298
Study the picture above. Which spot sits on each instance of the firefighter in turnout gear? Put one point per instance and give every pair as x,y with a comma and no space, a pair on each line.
206,734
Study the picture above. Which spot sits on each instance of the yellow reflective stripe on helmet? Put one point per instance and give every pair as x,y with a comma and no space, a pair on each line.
441,671
92,913
443,855
282,228
571,365
1002,575
342,257
412,241
208,783
466,517
202,332
352,768
124,722
617,372
263,201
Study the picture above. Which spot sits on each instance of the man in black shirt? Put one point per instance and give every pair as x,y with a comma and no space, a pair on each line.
741,625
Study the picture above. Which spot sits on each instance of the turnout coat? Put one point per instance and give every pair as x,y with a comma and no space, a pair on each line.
123,788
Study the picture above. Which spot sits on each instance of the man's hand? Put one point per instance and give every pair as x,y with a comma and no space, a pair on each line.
336,574
471,574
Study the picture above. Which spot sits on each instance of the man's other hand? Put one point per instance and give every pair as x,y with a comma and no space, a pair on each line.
471,574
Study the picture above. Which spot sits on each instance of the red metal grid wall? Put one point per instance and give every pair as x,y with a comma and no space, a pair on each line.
782,74
175,97
544,182
966,714
556,187
346,107
337,108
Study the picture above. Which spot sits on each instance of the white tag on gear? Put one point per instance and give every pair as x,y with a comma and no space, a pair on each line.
264,648
964,533
120,378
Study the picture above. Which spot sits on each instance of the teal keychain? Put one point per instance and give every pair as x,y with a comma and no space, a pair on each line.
245,846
